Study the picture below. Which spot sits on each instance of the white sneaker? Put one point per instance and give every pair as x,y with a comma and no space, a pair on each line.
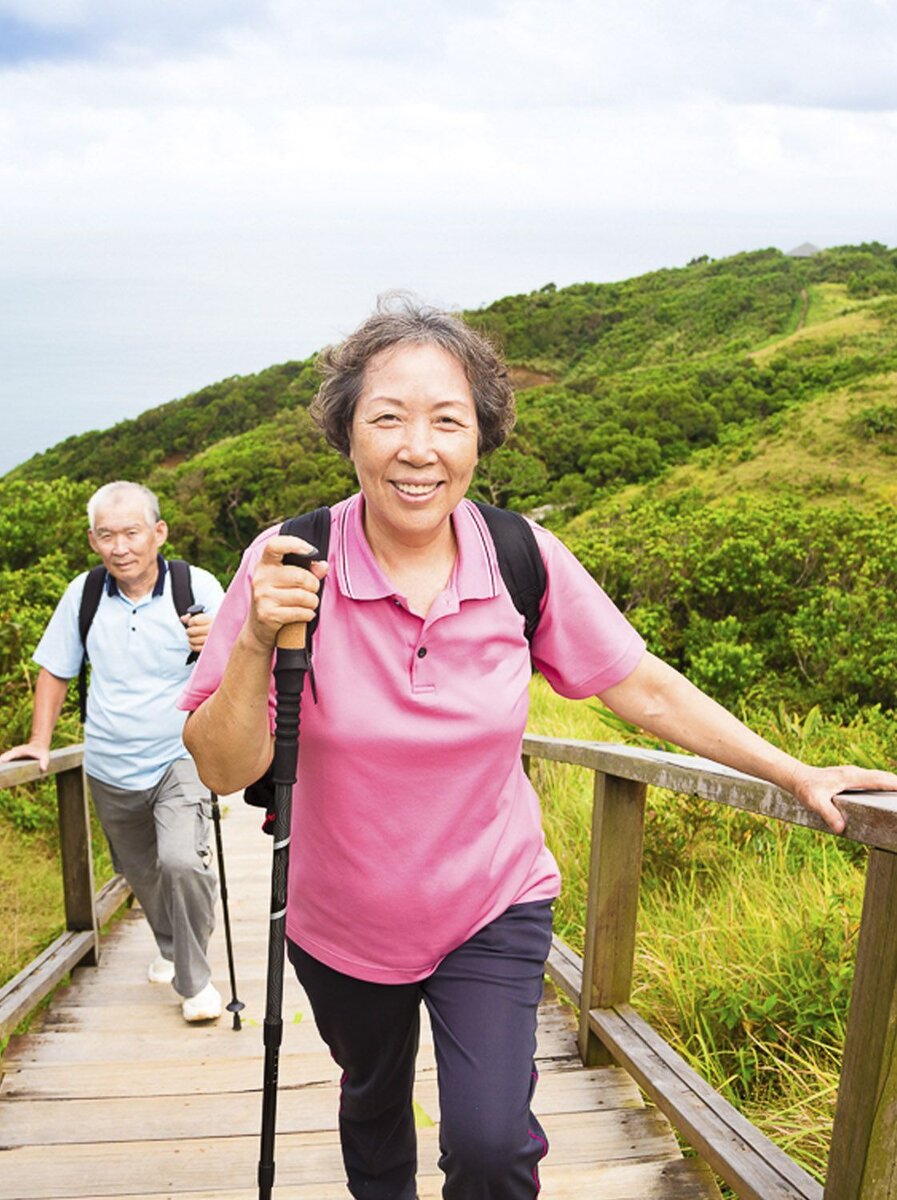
160,970
204,1006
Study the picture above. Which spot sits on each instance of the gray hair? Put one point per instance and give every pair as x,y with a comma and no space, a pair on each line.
399,319
109,493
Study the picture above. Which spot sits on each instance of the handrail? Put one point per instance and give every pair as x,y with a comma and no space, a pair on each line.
85,910
861,1159
871,816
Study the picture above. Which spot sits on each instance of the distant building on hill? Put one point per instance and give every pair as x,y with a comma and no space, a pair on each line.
806,250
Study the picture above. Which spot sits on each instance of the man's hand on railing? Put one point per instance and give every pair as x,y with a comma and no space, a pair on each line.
817,788
28,750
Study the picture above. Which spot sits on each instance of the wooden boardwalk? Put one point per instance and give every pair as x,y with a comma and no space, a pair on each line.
115,1096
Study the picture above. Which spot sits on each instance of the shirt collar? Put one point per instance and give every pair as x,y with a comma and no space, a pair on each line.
475,576
158,588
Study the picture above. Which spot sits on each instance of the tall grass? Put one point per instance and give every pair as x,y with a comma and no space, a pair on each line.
747,927
31,900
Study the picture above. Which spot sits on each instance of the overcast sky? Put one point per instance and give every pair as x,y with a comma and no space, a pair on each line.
191,189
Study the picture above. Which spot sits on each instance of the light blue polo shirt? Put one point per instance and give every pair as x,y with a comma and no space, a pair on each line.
138,668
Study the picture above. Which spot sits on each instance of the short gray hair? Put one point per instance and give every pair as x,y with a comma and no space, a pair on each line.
110,492
399,319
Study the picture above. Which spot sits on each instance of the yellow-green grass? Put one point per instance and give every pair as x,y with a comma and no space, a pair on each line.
830,313
30,897
811,450
31,900
815,448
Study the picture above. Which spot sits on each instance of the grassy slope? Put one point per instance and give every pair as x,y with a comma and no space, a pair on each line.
815,448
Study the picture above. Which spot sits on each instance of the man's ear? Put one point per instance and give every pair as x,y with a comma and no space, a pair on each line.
161,533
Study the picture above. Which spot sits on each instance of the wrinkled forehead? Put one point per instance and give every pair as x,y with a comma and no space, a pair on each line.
123,512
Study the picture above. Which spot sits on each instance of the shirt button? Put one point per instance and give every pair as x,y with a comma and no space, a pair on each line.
422,653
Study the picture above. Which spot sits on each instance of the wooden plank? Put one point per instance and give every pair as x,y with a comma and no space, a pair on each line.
871,816
26,990
160,1077
302,1108
682,1179
184,1165
111,897
753,1166
862,1162
76,856
618,821
564,969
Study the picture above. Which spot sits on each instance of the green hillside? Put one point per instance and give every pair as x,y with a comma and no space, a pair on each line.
646,409
618,383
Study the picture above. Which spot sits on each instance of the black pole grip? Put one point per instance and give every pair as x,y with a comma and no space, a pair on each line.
193,611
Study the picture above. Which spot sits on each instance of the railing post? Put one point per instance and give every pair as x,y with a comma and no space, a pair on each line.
618,825
862,1162
77,857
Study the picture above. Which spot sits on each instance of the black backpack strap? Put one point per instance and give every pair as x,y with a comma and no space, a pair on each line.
182,593
314,528
181,585
519,561
90,602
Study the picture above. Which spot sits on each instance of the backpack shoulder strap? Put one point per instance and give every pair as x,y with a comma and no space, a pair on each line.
314,528
90,602
181,585
182,593
519,561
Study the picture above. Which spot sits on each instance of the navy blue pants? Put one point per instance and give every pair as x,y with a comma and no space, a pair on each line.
482,1000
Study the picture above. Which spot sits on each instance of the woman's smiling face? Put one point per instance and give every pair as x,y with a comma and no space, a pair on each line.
413,442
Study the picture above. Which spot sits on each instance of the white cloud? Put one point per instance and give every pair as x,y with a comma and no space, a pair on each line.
269,165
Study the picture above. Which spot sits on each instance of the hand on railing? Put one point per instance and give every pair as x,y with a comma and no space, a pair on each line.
28,750
817,788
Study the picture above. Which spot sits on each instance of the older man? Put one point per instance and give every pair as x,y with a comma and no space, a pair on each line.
145,788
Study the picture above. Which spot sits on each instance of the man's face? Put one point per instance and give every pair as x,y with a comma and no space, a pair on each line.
127,542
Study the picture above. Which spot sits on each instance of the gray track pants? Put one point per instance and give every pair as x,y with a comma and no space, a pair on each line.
159,839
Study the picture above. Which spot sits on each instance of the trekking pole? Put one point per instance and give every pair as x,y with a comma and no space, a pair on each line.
291,665
236,1006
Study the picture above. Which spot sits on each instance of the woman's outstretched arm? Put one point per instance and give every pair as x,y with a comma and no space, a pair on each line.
656,697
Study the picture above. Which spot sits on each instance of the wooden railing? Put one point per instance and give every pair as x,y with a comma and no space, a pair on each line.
863,1154
862,1161
85,911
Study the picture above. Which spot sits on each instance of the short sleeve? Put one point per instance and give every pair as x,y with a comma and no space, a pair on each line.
59,650
207,591
583,644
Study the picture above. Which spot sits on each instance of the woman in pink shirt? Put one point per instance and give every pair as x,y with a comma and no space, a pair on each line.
418,868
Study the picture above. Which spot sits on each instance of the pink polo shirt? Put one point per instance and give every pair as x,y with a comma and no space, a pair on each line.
414,824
